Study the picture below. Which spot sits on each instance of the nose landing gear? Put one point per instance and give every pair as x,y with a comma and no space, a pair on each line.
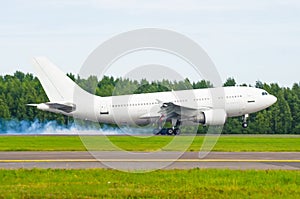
245,123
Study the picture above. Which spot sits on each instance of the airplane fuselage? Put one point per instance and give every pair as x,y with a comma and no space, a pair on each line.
142,108
211,106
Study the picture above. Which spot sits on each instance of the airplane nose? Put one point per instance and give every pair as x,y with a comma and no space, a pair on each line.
273,99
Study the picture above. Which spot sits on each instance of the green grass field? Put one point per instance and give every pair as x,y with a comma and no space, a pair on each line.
130,143
195,183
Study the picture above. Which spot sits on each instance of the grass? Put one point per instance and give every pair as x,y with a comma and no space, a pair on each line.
41,143
195,183
74,143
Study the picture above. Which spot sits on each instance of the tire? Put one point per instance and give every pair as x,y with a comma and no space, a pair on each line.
245,125
170,131
177,132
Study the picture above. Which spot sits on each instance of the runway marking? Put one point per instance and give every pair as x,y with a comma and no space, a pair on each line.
148,160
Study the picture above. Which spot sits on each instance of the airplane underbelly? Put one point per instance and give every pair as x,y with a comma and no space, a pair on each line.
124,116
235,108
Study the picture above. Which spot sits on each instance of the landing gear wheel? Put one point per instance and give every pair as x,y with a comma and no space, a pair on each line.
176,131
245,125
170,131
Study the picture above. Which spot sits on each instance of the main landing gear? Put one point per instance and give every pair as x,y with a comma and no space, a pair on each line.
175,130
245,123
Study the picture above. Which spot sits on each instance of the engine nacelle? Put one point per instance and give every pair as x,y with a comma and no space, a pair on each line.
211,117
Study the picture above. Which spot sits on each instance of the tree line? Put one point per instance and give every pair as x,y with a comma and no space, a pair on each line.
20,89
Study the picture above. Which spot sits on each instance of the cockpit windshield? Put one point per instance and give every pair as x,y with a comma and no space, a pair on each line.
264,93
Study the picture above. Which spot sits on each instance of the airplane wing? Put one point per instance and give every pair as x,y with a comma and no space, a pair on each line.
169,110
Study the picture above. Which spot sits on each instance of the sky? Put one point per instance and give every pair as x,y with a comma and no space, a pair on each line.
249,40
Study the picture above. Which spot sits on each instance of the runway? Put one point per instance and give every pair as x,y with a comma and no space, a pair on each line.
150,161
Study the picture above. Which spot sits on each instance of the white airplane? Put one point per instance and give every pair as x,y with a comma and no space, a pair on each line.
210,106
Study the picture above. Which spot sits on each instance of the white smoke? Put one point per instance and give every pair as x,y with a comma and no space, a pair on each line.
14,127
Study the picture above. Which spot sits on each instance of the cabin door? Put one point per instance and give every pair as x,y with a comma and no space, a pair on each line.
104,109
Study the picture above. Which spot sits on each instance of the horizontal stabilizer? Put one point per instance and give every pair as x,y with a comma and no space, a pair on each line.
34,105
57,107
66,107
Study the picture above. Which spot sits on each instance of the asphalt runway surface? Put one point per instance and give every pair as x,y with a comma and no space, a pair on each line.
150,161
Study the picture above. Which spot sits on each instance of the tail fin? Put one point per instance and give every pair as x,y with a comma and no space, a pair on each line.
56,84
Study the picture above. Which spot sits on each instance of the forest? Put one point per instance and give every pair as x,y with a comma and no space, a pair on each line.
20,89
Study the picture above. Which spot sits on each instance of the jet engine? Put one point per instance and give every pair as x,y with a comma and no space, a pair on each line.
211,117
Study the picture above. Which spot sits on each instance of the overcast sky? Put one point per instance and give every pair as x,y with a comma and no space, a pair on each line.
249,40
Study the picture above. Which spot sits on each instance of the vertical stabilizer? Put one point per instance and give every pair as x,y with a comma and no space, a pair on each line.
57,85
